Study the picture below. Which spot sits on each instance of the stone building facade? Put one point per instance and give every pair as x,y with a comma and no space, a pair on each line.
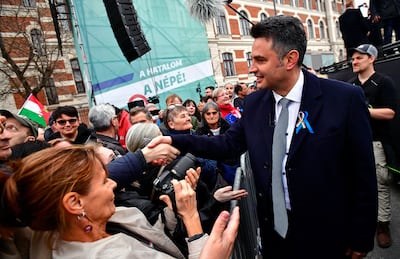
28,32
230,42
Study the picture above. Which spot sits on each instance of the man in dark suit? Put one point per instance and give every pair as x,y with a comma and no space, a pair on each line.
354,27
328,175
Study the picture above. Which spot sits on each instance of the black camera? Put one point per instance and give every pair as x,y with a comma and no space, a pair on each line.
163,182
153,99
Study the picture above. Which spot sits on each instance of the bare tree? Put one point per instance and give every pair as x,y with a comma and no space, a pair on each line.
29,49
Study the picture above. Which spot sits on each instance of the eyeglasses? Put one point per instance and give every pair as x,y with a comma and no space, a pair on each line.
63,122
213,113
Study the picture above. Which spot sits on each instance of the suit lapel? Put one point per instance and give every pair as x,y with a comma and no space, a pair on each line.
311,102
268,127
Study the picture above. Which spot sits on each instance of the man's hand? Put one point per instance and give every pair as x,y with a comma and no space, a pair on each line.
159,140
376,18
160,153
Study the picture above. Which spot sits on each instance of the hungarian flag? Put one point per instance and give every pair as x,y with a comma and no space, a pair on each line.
35,111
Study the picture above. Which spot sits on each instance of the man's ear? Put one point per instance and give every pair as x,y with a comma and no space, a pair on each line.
72,203
292,57
171,124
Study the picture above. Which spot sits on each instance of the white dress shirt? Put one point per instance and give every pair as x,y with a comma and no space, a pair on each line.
294,106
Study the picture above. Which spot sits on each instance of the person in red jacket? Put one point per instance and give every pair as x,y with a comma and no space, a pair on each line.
228,111
124,125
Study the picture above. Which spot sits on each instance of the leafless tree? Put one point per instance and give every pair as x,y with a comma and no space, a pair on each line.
29,49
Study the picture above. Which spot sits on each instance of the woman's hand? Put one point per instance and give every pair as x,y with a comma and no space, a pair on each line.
186,205
225,194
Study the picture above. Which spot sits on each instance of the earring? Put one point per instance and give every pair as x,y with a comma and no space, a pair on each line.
82,215
88,228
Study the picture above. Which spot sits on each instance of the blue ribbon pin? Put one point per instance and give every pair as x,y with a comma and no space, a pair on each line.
303,123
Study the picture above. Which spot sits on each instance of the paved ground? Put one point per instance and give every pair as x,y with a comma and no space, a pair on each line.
392,252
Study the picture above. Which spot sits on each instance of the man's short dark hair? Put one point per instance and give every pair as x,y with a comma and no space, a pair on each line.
210,87
70,111
138,109
238,87
286,32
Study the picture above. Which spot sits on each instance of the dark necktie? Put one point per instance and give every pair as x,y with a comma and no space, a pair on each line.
278,153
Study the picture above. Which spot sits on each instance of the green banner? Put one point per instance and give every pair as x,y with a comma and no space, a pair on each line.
178,62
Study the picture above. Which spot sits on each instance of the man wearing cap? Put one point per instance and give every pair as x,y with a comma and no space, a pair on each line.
380,95
21,129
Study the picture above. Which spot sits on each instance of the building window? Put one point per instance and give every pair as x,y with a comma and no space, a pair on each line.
244,24
222,27
318,5
63,15
227,59
334,6
248,58
296,3
37,42
310,29
76,71
322,30
29,3
263,16
51,92
309,5
337,29
341,56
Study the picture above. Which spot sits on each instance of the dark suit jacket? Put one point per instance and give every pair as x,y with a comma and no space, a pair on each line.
331,173
354,28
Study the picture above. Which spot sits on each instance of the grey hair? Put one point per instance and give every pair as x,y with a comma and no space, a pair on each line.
217,91
100,116
140,134
208,106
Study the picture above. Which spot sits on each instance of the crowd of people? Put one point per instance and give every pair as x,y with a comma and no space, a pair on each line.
74,189
116,188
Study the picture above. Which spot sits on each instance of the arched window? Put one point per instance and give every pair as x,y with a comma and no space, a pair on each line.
263,16
227,59
37,41
220,22
244,24
310,28
322,30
